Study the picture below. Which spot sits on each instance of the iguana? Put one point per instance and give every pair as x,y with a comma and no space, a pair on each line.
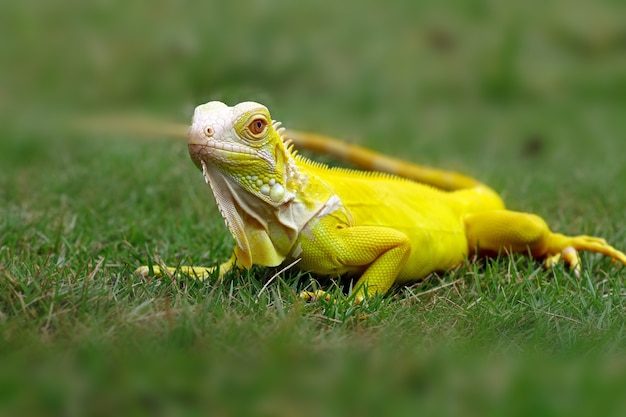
394,225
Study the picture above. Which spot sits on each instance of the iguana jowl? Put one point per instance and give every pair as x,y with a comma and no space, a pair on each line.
280,206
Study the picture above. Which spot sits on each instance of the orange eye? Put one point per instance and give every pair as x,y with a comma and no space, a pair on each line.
257,126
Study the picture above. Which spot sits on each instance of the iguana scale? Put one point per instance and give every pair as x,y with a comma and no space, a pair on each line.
394,225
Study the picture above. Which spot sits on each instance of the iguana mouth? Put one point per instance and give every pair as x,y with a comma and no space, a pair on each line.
206,149
228,148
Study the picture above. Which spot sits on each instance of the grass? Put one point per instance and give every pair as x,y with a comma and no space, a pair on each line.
528,99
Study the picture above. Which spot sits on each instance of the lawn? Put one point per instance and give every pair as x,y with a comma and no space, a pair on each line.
529,100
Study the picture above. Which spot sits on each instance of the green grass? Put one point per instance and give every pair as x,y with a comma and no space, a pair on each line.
529,99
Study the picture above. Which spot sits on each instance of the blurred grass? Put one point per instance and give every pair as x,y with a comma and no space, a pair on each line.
528,97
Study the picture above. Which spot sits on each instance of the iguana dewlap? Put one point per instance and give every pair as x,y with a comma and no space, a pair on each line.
280,206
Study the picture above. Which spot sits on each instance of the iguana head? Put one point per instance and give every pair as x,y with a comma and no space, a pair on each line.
262,194
242,145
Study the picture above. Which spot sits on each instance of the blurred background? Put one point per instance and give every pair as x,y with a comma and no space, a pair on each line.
383,65
489,79
403,53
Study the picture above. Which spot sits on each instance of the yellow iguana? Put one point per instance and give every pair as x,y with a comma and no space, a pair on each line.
387,227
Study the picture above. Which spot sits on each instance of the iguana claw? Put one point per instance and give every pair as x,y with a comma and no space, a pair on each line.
314,296
144,271
570,257
317,295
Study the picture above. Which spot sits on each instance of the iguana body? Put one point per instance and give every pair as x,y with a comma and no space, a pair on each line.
280,206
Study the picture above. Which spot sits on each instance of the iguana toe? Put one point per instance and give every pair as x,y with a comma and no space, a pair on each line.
144,271
570,257
314,296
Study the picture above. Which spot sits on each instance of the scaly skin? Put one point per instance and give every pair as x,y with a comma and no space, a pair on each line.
386,229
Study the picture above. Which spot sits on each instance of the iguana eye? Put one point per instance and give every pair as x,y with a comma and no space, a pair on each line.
257,126
209,131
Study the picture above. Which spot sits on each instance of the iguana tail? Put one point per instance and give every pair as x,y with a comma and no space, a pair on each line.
325,145
373,161
144,126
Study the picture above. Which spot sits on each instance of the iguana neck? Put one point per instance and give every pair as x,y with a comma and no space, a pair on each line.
265,233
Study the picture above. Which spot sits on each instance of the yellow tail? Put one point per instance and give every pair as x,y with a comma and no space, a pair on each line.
356,155
373,161
131,125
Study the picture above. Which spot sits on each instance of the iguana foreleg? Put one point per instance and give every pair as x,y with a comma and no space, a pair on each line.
199,272
378,254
